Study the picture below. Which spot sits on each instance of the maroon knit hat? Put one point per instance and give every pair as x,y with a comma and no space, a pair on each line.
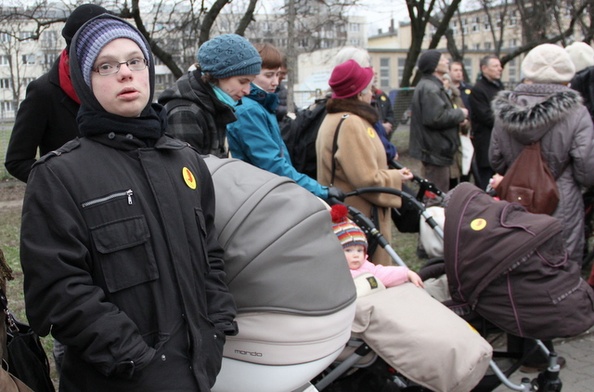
349,79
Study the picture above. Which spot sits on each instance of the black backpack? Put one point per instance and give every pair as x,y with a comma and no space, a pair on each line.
300,136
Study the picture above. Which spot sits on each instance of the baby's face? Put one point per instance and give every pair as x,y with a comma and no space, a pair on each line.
355,256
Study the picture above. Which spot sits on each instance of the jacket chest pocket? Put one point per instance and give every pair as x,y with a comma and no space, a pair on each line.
125,253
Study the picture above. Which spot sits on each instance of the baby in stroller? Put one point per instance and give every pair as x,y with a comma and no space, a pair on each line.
354,244
414,334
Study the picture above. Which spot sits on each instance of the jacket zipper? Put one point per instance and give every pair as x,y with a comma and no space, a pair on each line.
107,198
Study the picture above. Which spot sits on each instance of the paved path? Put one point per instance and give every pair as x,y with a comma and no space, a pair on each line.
578,374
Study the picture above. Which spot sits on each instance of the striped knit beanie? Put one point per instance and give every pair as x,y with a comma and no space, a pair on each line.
229,55
348,233
97,33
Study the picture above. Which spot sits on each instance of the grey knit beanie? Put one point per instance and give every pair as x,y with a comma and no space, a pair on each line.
97,33
428,61
229,55
548,63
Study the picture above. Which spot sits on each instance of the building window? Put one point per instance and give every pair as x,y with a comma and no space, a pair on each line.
468,66
477,46
28,58
488,45
5,37
384,73
4,60
6,107
512,71
513,20
23,35
401,61
4,83
25,81
49,58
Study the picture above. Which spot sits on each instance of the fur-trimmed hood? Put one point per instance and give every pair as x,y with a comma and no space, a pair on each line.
529,111
361,109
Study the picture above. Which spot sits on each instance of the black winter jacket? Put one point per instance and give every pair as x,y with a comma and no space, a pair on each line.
132,312
481,117
195,115
434,123
46,119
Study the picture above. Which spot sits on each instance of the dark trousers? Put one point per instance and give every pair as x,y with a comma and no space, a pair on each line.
482,176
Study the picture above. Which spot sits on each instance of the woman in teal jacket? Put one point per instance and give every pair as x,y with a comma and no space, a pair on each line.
255,137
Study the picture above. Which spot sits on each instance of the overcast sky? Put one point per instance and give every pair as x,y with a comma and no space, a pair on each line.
379,13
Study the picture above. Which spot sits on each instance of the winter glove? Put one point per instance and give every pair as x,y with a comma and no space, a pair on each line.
335,194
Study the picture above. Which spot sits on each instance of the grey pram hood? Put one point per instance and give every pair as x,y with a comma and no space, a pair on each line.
281,254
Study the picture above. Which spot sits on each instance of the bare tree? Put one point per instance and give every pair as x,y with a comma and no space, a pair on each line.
543,21
421,14
17,33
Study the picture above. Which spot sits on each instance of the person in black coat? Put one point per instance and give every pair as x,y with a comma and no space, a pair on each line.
46,118
481,116
118,243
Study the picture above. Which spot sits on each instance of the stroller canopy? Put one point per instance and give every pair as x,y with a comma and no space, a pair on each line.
511,267
281,254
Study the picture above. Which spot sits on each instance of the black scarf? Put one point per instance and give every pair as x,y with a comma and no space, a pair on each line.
149,126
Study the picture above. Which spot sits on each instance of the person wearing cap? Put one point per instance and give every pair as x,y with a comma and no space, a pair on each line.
354,244
202,102
582,56
358,158
481,116
255,137
435,121
118,245
385,121
543,108
46,118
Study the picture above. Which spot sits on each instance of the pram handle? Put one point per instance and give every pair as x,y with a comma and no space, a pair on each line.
409,198
424,184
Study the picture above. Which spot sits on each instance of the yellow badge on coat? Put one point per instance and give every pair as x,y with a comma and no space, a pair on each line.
189,178
371,132
478,224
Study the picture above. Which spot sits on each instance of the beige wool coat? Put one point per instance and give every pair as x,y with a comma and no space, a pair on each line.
360,162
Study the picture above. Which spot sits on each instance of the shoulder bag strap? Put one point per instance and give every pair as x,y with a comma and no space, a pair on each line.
335,147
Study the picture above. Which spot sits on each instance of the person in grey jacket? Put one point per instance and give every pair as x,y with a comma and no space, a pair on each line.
202,102
434,122
544,108
118,247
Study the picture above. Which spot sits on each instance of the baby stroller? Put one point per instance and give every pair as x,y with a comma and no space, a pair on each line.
295,306
522,286
486,314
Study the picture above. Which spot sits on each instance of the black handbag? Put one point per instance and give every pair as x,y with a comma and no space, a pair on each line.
26,357
407,218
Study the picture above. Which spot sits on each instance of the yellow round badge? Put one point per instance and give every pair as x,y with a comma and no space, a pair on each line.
189,178
371,132
478,224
